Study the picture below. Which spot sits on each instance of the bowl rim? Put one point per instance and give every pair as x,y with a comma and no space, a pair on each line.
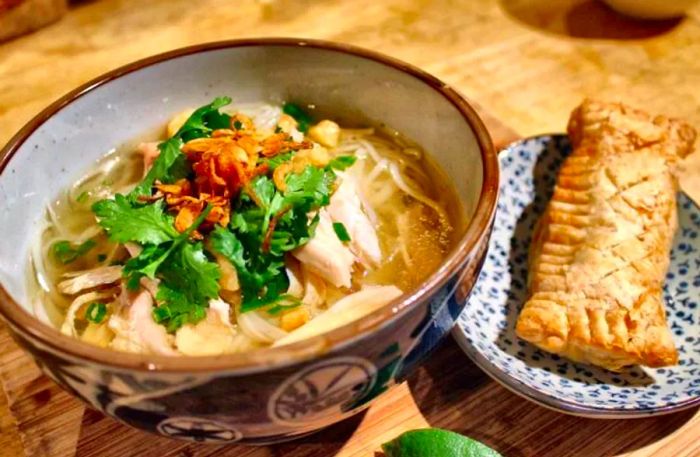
30,328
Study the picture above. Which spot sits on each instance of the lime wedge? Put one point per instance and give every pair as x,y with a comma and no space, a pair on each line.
433,442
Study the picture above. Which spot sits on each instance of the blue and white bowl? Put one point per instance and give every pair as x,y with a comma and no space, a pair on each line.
272,394
486,328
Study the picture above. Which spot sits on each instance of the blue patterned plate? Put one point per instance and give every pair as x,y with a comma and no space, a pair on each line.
486,328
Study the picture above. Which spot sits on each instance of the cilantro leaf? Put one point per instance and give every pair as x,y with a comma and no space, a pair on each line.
312,186
66,253
175,310
279,159
261,276
304,120
342,162
341,232
171,164
265,226
188,281
123,222
204,120
145,264
152,256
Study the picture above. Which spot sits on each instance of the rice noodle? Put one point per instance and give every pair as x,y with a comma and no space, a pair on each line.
399,180
403,236
253,325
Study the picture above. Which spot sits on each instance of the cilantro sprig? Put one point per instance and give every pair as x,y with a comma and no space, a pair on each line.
66,252
267,224
188,279
171,164
124,222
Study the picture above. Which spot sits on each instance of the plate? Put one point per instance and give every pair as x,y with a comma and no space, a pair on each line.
486,328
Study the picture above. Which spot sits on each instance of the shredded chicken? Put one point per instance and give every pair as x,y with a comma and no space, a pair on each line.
134,328
212,336
346,207
90,279
150,152
326,255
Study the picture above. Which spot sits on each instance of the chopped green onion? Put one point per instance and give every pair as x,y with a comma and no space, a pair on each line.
284,303
342,162
66,253
82,198
341,231
96,312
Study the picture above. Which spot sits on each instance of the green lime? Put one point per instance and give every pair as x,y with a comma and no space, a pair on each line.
433,442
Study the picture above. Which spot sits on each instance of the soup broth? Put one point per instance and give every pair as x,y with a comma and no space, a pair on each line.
273,229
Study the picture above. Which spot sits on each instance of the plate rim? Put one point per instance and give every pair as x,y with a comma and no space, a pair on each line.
538,397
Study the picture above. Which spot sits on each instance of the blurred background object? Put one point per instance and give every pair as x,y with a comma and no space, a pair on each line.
18,17
652,9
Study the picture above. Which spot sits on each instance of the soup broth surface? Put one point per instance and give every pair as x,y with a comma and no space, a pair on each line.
274,228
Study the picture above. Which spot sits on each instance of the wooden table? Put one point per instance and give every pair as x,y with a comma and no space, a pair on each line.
528,62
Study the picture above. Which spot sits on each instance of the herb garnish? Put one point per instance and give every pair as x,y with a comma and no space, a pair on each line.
265,224
342,162
66,253
341,232
96,312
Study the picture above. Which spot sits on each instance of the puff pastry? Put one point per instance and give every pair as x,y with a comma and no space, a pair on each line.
600,251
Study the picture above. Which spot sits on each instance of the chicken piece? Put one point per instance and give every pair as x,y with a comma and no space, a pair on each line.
346,310
229,277
346,208
288,124
212,336
90,279
293,270
325,132
326,255
134,249
150,153
137,331
314,288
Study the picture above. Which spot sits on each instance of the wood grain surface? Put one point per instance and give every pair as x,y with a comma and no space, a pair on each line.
528,62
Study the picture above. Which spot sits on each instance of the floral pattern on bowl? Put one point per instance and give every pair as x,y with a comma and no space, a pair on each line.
486,328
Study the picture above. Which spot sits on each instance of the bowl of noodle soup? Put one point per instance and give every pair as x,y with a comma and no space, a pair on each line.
244,241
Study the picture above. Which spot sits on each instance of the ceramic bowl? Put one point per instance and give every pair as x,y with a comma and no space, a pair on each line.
486,329
267,395
652,9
